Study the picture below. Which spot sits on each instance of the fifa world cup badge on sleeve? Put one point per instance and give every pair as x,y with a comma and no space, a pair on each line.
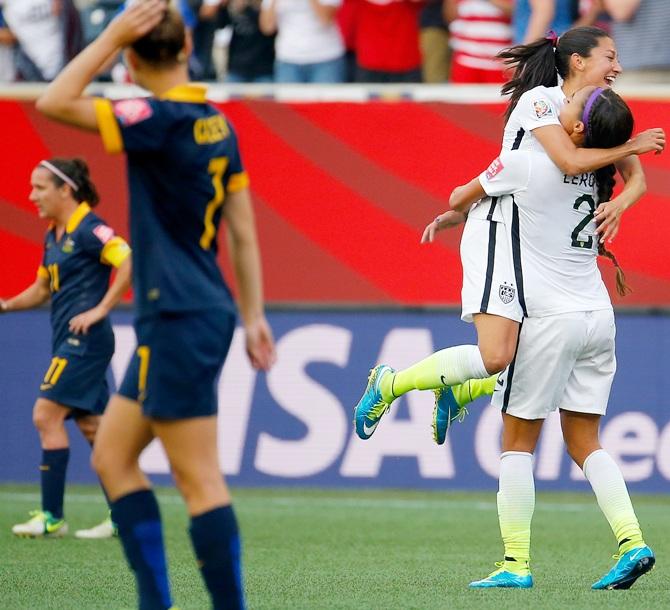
542,109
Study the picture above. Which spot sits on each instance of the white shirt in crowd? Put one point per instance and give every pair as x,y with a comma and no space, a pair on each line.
38,31
301,37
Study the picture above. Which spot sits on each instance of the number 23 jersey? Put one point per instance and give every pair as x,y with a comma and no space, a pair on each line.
549,220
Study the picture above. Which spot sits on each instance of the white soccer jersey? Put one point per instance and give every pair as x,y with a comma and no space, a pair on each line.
538,107
550,225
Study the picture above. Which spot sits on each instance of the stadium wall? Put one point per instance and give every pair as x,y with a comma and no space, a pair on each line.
292,427
340,176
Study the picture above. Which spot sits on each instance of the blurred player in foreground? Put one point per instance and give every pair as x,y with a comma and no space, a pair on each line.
185,174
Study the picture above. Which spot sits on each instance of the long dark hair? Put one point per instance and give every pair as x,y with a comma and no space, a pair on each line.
608,124
77,171
542,61
163,47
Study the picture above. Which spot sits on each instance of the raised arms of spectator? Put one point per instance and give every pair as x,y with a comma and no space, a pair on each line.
591,15
541,15
621,10
267,20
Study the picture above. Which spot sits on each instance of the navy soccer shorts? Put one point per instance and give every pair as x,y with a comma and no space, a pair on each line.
174,371
76,376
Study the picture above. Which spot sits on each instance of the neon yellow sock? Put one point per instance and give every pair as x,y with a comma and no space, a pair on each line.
447,367
610,488
472,389
516,504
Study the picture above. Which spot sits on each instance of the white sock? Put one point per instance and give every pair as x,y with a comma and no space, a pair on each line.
460,363
610,489
516,504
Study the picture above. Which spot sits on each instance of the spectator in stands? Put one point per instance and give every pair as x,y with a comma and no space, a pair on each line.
308,47
532,19
387,41
201,16
479,29
48,34
640,29
346,20
7,41
251,54
434,42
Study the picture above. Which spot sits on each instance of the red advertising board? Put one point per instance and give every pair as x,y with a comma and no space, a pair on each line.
342,192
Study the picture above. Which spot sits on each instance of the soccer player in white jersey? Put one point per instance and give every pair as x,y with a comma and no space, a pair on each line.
565,355
583,56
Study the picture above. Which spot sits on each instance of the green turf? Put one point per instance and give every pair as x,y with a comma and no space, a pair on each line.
315,549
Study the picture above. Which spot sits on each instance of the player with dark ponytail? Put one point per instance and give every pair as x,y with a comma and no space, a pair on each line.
79,253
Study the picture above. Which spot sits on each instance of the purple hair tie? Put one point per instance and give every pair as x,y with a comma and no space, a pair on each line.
588,106
552,37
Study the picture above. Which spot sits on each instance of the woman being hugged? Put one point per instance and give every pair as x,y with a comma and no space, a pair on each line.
79,253
493,297
185,175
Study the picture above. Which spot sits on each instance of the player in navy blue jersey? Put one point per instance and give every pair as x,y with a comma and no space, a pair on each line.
79,253
185,174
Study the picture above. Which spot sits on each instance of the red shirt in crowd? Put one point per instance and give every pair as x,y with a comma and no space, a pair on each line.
387,35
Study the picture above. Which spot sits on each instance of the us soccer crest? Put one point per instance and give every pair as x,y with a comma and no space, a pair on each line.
506,293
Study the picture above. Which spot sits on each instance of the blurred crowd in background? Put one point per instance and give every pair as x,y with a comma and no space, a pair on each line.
335,41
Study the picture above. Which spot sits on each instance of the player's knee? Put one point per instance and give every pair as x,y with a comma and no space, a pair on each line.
44,422
496,361
102,461
88,428
197,487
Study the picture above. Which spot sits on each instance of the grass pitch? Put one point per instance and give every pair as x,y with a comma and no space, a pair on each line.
316,549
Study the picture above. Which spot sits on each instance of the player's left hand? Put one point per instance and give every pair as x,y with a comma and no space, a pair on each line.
138,18
80,324
608,218
446,220
260,344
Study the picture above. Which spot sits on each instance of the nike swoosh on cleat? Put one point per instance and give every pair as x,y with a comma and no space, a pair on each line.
371,429
443,380
634,555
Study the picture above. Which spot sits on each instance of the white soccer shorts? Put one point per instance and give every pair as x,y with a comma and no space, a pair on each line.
565,361
489,275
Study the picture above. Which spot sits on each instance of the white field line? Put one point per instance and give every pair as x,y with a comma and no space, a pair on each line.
330,502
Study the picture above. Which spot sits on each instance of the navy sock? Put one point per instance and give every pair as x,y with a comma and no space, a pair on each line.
138,519
52,476
216,540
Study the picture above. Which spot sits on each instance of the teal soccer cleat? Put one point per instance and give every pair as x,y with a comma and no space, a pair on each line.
445,411
503,579
370,408
628,569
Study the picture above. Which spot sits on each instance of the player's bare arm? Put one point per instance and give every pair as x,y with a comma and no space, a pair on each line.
64,98
245,256
572,160
35,295
80,323
609,213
